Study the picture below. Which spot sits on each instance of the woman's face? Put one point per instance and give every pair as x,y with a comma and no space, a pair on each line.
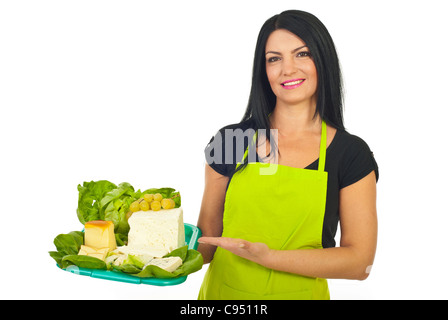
290,69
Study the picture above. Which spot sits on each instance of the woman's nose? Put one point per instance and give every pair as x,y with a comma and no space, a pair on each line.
289,67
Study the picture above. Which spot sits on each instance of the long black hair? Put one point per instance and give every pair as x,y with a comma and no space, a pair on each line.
312,31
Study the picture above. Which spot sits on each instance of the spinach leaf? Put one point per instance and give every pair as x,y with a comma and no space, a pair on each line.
83,262
57,256
69,243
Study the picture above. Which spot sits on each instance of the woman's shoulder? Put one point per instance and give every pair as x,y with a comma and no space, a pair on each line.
354,157
225,147
350,142
234,133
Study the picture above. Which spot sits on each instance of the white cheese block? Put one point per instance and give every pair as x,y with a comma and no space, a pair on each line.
136,252
169,264
156,233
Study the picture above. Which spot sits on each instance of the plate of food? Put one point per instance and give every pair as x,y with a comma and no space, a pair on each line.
130,236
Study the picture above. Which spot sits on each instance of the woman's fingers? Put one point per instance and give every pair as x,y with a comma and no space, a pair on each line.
254,251
223,242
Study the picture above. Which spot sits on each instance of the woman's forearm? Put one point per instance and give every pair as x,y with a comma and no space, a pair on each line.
329,263
207,252
346,262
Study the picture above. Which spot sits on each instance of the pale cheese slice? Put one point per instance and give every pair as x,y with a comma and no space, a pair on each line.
100,253
169,264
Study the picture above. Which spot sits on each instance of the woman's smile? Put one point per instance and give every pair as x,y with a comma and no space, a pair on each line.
292,84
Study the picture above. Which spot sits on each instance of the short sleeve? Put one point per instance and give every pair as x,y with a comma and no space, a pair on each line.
215,155
226,148
358,161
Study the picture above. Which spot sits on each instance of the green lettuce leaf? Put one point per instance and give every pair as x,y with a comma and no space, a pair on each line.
127,268
115,205
122,189
89,198
122,239
132,264
179,252
103,200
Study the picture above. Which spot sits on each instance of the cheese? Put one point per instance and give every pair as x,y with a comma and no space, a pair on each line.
100,234
120,255
169,264
152,235
156,233
92,252
144,255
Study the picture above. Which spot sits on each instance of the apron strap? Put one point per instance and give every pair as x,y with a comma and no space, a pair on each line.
254,141
323,147
322,152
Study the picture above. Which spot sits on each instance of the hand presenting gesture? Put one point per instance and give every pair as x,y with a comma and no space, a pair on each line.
254,251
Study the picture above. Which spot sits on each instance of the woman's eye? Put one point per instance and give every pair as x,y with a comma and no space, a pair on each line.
273,59
303,54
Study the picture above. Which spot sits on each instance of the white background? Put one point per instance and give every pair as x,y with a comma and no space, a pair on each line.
133,91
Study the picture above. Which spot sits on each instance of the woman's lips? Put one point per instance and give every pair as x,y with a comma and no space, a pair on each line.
291,84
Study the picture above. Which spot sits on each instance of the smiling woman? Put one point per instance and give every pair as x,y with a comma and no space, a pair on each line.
289,69
271,236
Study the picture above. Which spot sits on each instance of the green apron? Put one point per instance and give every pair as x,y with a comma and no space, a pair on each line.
285,210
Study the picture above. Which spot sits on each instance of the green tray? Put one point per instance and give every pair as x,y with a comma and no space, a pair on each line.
192,234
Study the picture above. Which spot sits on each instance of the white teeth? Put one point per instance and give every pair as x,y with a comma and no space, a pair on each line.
293,83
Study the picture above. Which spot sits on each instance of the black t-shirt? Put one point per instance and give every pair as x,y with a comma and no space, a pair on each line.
349,159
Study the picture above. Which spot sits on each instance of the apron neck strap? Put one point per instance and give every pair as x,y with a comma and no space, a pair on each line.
322,152
323,147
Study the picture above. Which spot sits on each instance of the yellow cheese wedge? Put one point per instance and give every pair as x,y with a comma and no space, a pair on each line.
92,252
100,234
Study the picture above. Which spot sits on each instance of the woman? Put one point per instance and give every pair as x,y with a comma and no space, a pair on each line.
271,235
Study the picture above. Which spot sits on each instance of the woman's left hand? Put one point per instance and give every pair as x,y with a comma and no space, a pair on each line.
254,251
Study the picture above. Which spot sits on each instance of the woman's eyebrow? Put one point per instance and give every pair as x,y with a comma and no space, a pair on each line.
293,51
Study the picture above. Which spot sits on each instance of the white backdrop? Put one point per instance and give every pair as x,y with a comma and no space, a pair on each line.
133,91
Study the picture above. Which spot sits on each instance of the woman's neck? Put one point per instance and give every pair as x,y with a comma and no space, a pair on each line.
292,121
